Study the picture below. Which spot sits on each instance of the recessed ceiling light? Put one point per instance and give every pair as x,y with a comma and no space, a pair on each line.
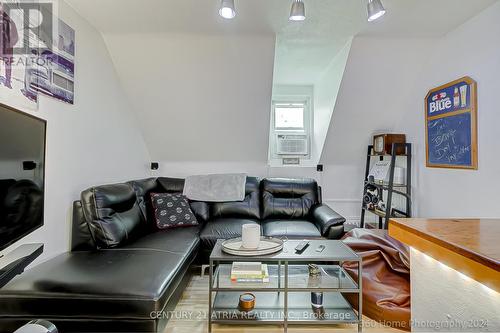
227,10
298,12
375,10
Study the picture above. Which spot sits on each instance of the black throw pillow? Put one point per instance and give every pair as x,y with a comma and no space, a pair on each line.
172,210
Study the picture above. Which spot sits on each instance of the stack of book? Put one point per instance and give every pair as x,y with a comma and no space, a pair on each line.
252,272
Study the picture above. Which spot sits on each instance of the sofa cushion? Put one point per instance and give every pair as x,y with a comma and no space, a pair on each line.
328,221
116,283
143,188
171,210
175,185
180,241
290,229
248,208
288,198
113,214
171,184
81,239
222,228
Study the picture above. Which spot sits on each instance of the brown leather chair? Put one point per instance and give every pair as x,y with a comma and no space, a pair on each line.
386,276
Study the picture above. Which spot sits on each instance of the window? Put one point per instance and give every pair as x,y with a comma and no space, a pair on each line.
289,116
291,127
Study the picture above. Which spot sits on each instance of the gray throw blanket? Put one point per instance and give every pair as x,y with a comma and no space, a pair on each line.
216,188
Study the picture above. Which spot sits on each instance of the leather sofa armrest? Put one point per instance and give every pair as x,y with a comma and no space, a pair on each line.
328,221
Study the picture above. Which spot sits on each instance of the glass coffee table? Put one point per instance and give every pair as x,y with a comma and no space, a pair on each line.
286,298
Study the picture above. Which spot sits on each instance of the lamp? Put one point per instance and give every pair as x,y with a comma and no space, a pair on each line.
375,10
227,10
298,11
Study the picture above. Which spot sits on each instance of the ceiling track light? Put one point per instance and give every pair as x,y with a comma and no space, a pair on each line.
298,11
227,9
375,10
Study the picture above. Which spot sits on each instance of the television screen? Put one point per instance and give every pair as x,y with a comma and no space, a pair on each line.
22,162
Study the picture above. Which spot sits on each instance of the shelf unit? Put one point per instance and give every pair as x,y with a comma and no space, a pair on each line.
390,188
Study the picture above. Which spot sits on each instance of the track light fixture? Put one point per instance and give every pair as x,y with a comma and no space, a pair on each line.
298,11
227,9
375,10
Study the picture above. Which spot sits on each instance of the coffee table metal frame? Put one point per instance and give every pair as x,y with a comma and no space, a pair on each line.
335,252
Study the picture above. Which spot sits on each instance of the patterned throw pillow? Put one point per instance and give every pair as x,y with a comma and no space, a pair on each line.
171,210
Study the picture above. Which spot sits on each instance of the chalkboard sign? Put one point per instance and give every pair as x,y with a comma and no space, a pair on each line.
451,125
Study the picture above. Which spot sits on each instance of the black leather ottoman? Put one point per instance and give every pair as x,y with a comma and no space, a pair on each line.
117,290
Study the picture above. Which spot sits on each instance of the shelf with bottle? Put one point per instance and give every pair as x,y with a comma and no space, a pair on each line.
386,187
332,278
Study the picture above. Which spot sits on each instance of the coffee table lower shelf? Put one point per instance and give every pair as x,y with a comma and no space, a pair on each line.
269,309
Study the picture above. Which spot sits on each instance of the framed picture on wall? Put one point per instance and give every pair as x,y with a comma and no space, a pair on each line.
451,125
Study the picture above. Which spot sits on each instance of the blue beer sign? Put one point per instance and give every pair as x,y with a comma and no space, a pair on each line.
451,125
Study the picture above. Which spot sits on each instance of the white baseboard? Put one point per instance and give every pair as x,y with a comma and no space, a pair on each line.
343,200
352,219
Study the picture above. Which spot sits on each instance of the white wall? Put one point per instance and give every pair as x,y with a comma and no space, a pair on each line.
93,142
326,91
472,49
199,97
379,83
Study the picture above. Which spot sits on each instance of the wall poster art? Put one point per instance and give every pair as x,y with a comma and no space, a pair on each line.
42,59
14,59
59,64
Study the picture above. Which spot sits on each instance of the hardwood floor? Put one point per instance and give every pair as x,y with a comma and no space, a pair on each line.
190,317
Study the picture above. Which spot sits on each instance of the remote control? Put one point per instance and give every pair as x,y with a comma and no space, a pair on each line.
320,248
301,247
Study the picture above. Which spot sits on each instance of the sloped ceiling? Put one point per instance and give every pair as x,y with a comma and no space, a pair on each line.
198,98
375,91
201,85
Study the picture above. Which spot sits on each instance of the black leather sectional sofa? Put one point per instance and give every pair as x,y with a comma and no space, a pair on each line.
122,276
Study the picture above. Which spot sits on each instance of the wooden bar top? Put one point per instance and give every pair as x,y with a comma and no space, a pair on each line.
470,246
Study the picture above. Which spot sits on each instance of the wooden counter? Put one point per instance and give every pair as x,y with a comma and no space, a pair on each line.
470,246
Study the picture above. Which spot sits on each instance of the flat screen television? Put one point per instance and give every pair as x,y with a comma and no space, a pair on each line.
22,173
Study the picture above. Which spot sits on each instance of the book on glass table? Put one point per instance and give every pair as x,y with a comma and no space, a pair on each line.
249,272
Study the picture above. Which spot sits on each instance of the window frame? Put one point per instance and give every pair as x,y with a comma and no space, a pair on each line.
290,100
306,100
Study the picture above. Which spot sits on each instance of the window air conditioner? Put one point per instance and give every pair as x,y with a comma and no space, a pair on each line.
292,144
